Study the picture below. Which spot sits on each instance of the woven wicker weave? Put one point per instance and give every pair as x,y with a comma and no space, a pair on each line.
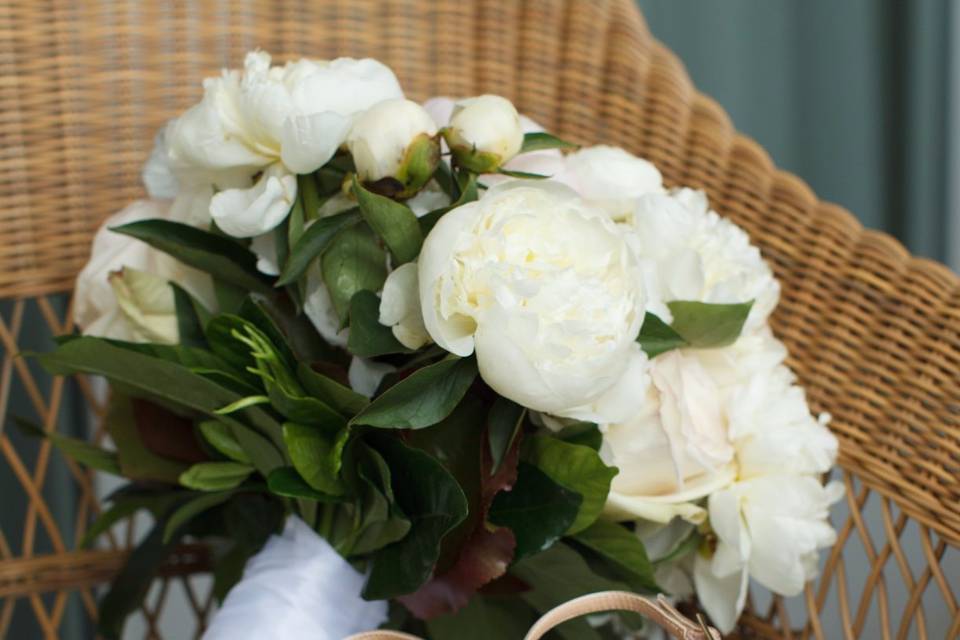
874,334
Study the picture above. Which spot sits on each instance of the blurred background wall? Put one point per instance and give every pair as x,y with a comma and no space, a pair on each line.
851,95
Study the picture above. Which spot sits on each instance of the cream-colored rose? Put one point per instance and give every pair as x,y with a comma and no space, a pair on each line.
484,133
123,291
395,139
543,288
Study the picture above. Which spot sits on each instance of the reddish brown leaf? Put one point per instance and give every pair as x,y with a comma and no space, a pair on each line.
485,557
166,434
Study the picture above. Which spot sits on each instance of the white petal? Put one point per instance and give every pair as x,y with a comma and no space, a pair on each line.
319,308
243,213
157,175
400,307
265,246
309,141
722,598
365,375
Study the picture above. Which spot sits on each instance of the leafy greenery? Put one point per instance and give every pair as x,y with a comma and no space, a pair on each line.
392,221
700,325
368,338
657,337
503,426
215,476
354,261
575,467
316,455
285,481
193,507
624,550
423,398
221,438
538,510
539,140
434,504
218,255
83,452
313,242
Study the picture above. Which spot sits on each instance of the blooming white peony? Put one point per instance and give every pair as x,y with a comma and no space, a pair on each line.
769,528
123,291
543,288
673,452
610,178
701,256
484,132
383,137
254,129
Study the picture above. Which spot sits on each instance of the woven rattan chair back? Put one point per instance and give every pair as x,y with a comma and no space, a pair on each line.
874,334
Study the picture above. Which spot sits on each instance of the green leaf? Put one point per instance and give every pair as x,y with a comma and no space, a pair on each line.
576,468
422,399
241,404
313,242
484,618
130,586
368,338
221,438
191,318
542,140
503,424
538,510
434,503
353,262
624,550
82,451
559,575
525,175
285,481
215,476
125,506
337,396
218,255
309,196
194,507
657,337
392,221
468,193
707,326
684,548
586,434
228,570
316,455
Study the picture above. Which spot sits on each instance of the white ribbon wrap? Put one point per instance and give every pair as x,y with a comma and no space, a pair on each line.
296,587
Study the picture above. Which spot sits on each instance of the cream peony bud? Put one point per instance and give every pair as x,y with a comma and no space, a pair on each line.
400,307
542,287
484,133
122,292
147,303
395,147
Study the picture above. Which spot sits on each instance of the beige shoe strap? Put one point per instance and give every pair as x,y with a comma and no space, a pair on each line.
659,610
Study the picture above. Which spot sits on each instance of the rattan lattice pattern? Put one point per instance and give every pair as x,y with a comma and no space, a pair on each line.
874,334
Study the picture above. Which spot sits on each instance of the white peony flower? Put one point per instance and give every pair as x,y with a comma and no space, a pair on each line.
365,375
542,287
769,528
701,256
122,291
395,139
318,306
484,132
610,178
400,307
275,120
673,452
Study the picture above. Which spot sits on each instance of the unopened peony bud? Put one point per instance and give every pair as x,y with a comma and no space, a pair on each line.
395,147
484,133
146,301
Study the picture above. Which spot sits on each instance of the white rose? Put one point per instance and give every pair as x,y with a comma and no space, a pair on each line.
484,133
611,178
769,528
400,307
701,256
118,293
675,451
395,139
277,120
542,287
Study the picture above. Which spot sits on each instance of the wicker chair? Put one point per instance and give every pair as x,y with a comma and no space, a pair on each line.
874,333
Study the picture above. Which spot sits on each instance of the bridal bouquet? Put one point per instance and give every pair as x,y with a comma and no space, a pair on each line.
430,368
